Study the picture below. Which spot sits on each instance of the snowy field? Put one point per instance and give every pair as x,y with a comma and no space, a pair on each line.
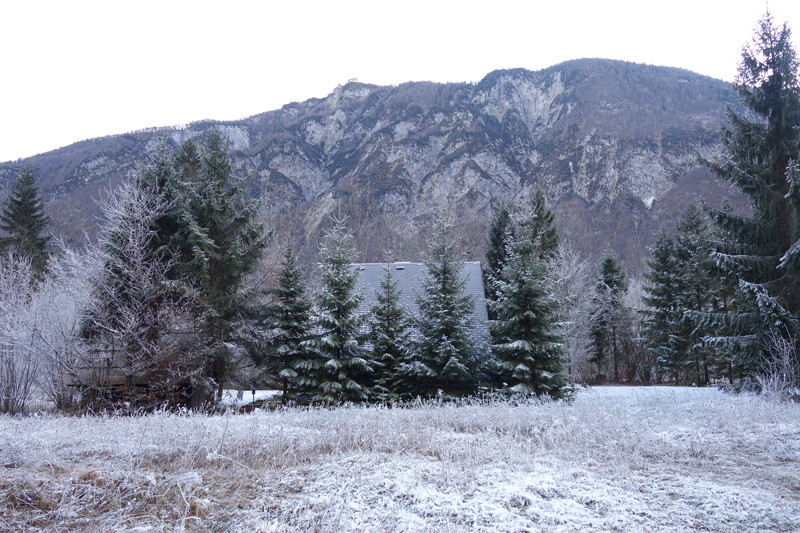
621,459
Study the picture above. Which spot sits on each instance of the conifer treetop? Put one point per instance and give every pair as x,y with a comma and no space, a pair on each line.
23,220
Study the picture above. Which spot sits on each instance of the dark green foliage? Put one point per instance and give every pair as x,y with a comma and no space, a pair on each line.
160,178
610,319
496,251
698,296
389,329
500,229
177,246
444,354
682,291
286,324
663,300
543,225
133,302
529,351
338,370
23,221
761,150
188,160
663,296
221,243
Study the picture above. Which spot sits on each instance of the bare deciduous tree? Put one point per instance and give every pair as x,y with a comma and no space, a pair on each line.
571,272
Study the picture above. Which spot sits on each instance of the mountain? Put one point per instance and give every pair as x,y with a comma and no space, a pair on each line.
614,145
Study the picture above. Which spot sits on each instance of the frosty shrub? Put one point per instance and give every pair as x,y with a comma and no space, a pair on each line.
19,365
780,372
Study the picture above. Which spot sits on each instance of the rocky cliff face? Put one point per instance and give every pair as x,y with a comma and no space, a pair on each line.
614,146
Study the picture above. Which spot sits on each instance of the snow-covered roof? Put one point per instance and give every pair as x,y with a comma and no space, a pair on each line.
409,276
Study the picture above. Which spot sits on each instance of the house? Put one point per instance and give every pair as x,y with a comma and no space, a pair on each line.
409,276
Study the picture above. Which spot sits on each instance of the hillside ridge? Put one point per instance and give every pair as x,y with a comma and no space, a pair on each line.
614,145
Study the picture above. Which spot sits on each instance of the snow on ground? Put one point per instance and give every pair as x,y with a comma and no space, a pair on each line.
232,397
628,459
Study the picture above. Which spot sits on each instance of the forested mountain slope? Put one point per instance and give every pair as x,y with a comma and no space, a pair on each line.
614,145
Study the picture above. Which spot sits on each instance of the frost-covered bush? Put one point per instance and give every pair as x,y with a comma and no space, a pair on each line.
19,365
41,353
780,372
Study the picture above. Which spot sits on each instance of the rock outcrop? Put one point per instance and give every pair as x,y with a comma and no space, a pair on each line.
615,147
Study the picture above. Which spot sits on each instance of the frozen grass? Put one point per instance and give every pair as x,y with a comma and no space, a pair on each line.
618,459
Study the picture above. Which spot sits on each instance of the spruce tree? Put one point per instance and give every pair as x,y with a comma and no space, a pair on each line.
131,309
663,299
761,150
682,292
526,342
496,251
221,243
338,371
388,335
287,323
160,178
697,295
610,321
23,220
444,353
501,229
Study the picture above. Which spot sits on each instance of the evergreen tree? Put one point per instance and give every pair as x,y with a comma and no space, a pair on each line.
444,354
188,160
723,289
23,220
501,229
131,307
287,323
221,243
496,252
682,292
543,226
663,300
610,320
761,149
525,334
160,178
389,337
339,370
697,295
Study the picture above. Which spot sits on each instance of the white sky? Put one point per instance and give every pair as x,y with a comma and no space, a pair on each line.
79,69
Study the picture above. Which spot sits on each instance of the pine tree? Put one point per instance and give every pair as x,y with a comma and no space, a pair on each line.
339,369
525,334
24,221
444,355
761,150
221,243
188,160
544,226
388,334
287,322
610,320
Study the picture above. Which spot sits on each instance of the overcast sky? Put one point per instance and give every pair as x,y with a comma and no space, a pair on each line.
78,69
